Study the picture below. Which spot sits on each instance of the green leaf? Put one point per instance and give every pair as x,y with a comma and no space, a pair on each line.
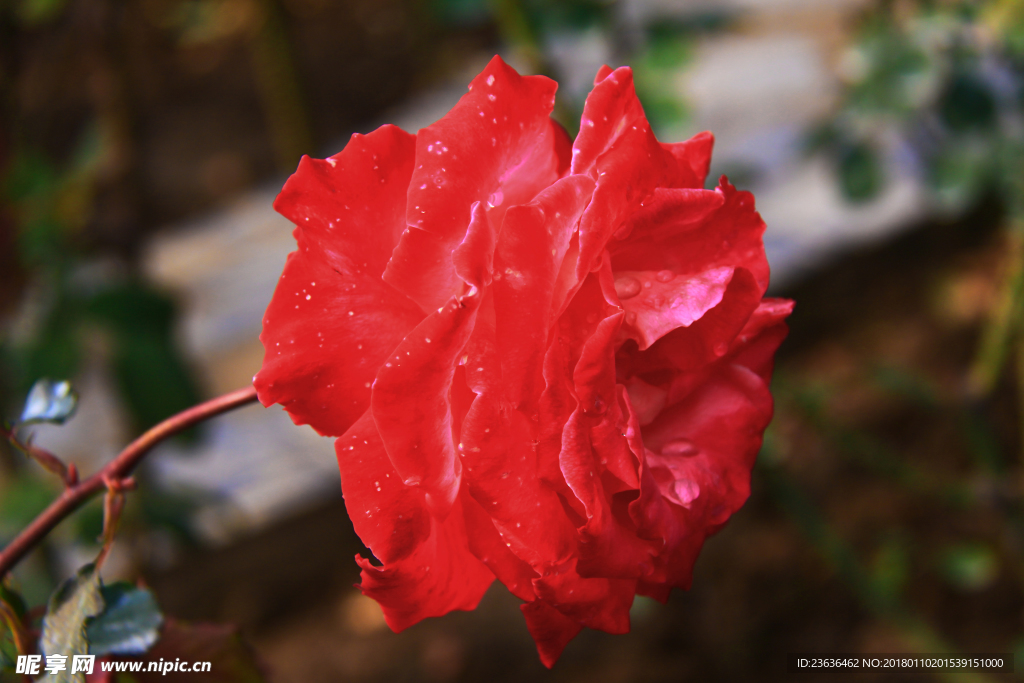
71,605
967,104
129,625
49,401
860,172
969,567
13,600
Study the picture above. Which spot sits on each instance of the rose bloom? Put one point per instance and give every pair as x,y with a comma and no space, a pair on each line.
545,361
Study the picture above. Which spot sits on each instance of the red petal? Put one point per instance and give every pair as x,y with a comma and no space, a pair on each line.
597,603
533,244
693,157
697,469
688,231
666,213
411,405
616,147
351,206
710,337
501,467
597,463
654,590
330,302
576,325
658,302
551,630
500,470
756,343
496,146
473,258
486,543
427,568
626,175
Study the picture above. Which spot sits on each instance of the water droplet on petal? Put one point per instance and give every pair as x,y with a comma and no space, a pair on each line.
664,276
626,287
721,348
496,199
679,447
685,490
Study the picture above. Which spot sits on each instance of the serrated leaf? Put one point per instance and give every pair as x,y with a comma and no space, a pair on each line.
49,401
75,601
130,623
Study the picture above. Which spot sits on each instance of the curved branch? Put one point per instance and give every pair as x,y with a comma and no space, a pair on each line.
116,470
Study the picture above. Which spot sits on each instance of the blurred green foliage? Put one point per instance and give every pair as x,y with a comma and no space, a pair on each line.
73,301
135,320
944,78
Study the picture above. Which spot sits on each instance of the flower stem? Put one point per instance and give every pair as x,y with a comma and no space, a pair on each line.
117,470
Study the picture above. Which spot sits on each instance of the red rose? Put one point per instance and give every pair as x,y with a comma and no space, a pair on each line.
545,361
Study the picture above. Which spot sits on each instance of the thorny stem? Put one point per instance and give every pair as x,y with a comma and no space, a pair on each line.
114,474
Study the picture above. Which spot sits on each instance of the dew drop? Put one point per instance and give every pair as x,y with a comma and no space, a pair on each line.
685,491
679,447
721,348
626,287
664,276
496,199
490,80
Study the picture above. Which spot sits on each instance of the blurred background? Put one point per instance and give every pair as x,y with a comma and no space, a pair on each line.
142,143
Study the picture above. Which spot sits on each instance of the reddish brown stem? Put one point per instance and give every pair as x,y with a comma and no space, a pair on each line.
117,469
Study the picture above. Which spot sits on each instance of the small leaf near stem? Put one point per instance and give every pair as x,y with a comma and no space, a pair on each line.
50,462
130,622
113,506
19,633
